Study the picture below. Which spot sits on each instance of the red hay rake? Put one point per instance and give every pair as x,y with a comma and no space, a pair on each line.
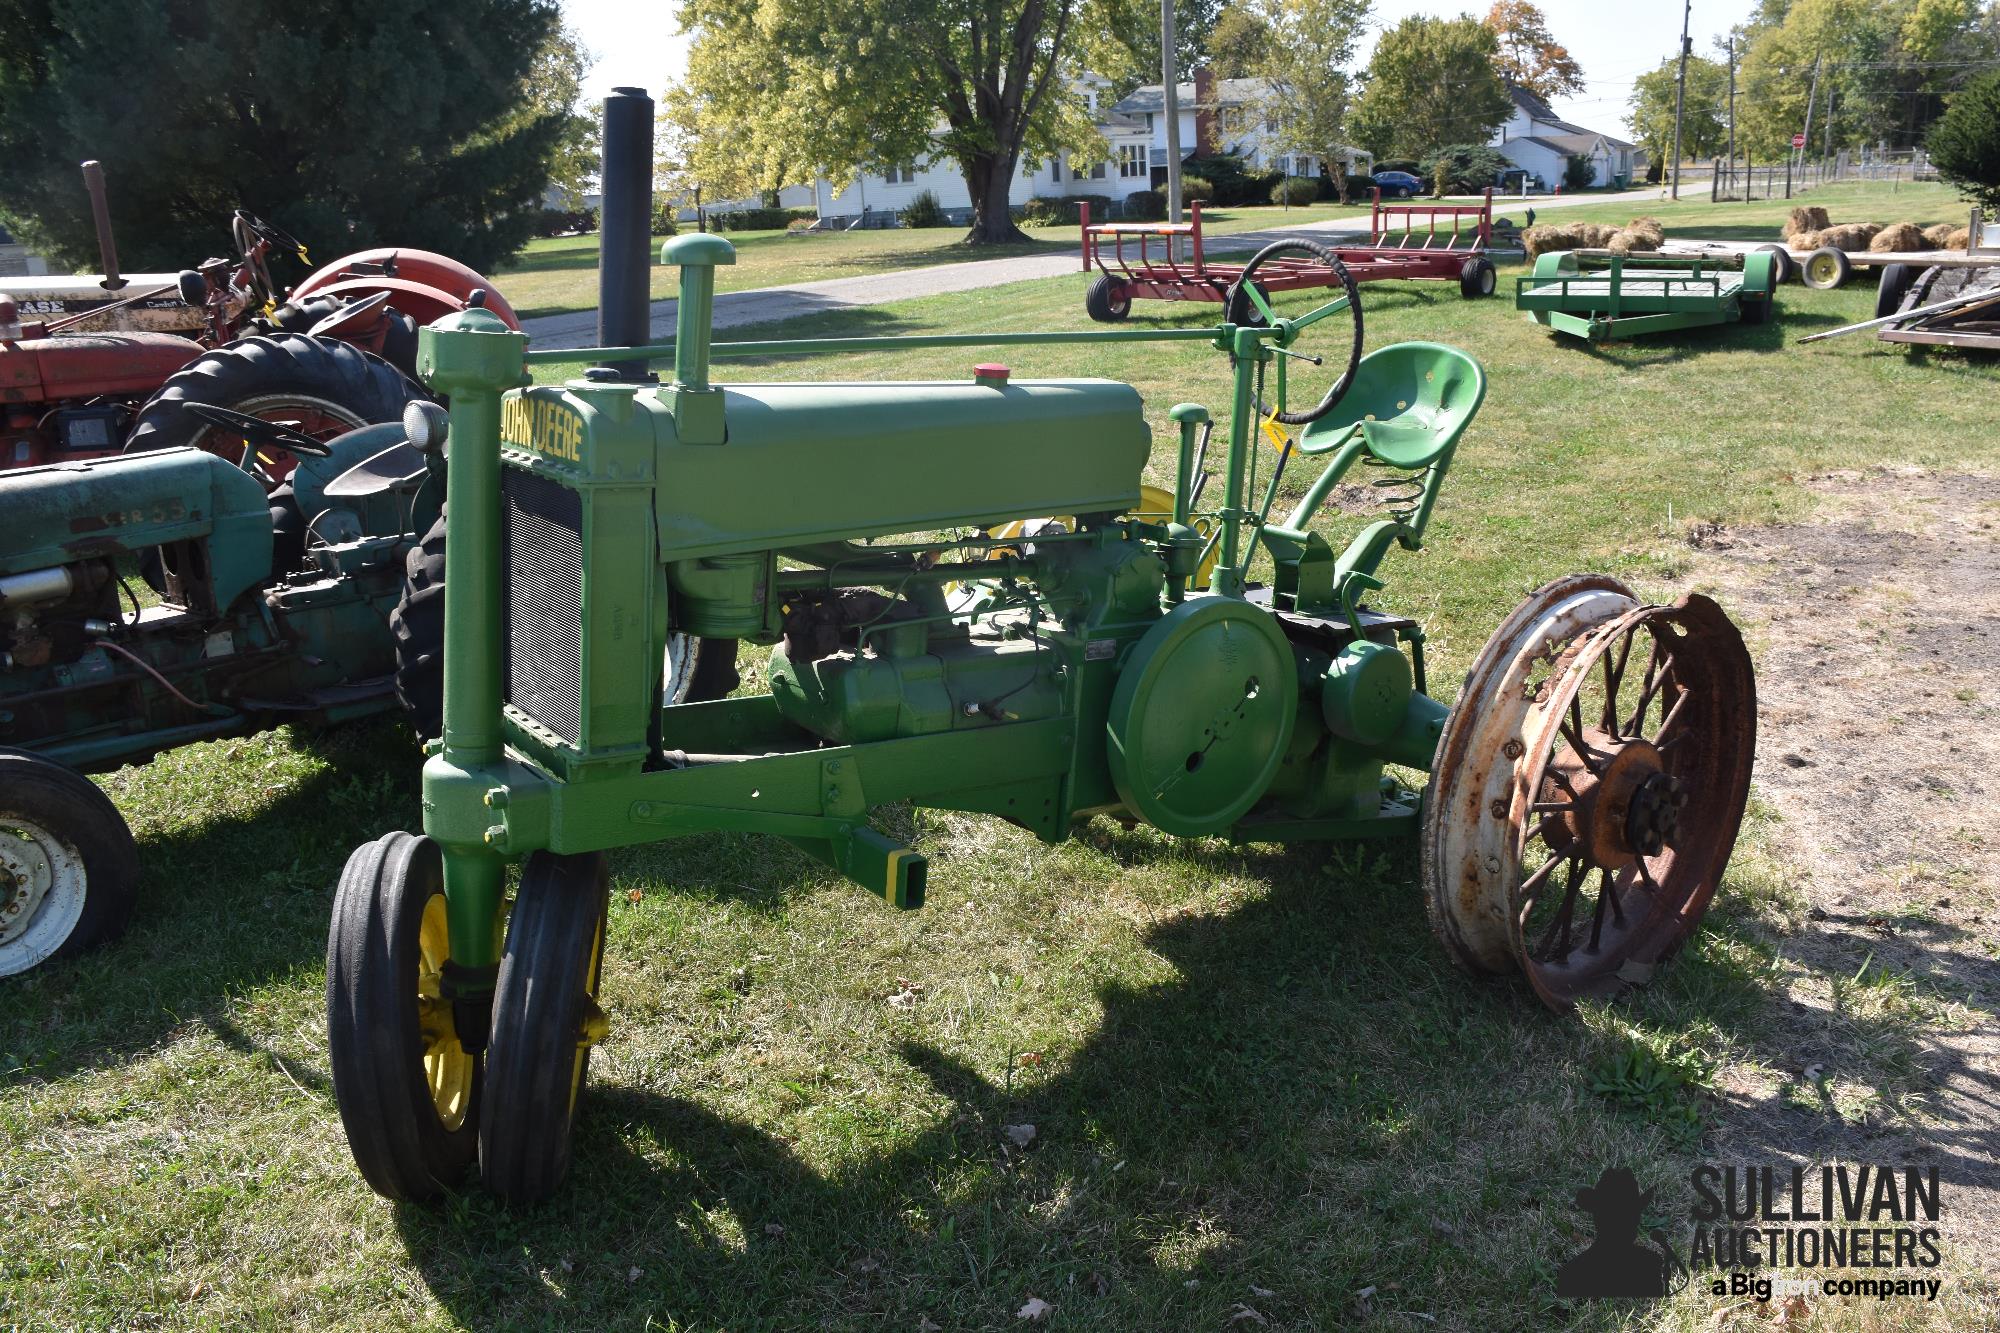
1429,242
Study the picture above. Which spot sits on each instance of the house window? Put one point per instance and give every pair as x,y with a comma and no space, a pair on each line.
1132,160
902,175
1097,172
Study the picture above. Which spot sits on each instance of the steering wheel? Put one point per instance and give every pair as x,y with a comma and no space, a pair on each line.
1248,304
247,230
258,433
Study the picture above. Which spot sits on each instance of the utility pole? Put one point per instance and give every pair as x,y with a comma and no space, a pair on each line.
1173,110
1812,96
1732,118
1680,94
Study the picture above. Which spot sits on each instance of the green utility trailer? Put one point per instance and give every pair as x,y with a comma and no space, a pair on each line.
970,609
1605,296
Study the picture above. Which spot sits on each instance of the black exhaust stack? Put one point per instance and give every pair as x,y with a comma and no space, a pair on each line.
625,228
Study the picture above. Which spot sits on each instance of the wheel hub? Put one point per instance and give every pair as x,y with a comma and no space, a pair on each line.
1618,801
25,877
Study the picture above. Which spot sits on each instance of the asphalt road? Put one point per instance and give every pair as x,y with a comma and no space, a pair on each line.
764,304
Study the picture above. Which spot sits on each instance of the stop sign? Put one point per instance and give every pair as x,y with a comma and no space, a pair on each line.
1798,141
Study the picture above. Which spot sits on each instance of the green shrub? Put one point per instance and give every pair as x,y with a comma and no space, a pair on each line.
1145,206
1042,211
799,225
1964,142
1578,172
1193,188
924,211
664,222
1464,168
1358,187
1295,190
1233,181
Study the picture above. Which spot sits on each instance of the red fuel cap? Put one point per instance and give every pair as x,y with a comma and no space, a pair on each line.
990,372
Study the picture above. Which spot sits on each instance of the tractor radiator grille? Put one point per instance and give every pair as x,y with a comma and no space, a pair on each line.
542,570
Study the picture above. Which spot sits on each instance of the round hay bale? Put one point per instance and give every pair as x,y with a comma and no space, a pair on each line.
1807,218
1851,236
1938,235
1901,237
1803,240
1650,228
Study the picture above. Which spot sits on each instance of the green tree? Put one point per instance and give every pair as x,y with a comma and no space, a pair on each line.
1704,131
1240,45
1139,60
1464,168
1431,82
1885,69
781,87
555,89
1530,56
1305,69
1965,142
371,122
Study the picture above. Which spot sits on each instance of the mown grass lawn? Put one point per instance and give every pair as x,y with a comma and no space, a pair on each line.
1261,1095
559,274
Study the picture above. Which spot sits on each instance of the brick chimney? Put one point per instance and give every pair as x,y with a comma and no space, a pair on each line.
1204,112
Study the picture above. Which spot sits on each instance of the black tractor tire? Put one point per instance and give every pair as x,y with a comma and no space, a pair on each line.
1897,279
1783,266
338,379
417,624
1108,301
288,532
57,823
1477,278
410,1141
536,1055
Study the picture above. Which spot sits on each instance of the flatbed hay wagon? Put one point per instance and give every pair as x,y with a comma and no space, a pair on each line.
1605,296
1168,261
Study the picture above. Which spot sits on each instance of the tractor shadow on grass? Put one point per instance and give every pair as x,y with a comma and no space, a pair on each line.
1312,1087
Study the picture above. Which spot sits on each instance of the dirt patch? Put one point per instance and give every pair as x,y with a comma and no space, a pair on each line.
1877,635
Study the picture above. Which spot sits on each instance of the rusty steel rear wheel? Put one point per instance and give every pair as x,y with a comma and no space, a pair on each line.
1590,783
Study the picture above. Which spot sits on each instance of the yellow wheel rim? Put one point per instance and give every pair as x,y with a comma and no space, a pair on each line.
1822,268
595,1025
447,1068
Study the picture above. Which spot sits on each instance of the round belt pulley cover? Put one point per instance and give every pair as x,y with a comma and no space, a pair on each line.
1201,715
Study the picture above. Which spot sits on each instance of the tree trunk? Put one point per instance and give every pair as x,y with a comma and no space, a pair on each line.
988,178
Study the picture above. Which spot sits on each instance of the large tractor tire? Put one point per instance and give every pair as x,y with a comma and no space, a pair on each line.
324,388
68,866
696,670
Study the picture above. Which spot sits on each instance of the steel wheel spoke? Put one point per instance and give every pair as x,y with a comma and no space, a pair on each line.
1653,683
1614,676
1564,914
1610,891
1667,722
1597,913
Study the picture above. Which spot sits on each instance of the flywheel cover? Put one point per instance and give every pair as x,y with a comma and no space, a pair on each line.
1201,716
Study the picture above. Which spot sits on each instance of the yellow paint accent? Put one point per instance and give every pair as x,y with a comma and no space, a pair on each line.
896,859
1275,433
448,1070
544,423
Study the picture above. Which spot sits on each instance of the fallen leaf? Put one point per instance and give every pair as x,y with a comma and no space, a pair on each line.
1795,1312
633,1275
774,1228
867,1263
924,1325
1100,1284
568,1265
1261,1293
1019,1135
1243,1312
1035,1310
1813,1073
635,895
906,995
1192,1283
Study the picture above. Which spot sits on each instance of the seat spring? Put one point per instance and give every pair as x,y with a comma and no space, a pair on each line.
1400,493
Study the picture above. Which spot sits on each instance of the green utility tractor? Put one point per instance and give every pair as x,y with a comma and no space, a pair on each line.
972,608
248,623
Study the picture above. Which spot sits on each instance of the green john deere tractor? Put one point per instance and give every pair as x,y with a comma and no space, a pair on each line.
971,607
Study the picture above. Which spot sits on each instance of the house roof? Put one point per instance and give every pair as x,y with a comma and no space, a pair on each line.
1543,117
1150,97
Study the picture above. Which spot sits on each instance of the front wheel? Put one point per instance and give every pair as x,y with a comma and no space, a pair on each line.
545,1020
407,1089
1589,786
68,867
1108,301
1897,279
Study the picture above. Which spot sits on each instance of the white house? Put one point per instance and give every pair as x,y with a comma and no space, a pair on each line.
1217,116
1223,116
1541,143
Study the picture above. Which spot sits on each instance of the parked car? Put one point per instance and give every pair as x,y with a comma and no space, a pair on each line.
1397,184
